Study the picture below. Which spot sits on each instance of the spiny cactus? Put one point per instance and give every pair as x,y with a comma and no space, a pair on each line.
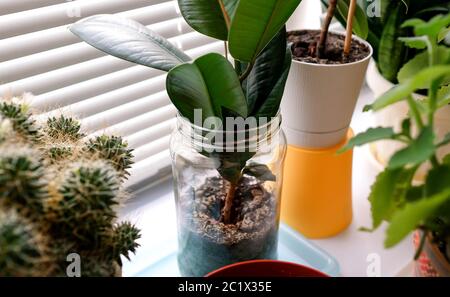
21,120
52,184
113,149
22,177
23,249
124,238
65,128
88,193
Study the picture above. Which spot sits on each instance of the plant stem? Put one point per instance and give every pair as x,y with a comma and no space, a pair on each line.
421,245
247,72
226,211
348,36
225,14
415,112
326,25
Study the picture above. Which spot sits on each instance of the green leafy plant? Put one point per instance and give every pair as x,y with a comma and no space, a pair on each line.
253,33
394,197
53,205
384,30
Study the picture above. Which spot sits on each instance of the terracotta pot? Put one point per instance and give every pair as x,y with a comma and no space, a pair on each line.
392,116
320,99
432,262
266,268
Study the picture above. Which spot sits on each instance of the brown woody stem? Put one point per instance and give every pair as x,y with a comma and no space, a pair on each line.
348,36
226,211
326,25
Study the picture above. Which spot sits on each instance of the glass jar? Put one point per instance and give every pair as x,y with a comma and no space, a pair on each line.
227,189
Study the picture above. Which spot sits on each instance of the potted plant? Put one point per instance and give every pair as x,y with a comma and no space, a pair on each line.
227,176
323,86
392,61
407,205
58,197
340,60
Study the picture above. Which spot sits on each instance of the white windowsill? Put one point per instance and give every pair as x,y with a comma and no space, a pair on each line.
153,211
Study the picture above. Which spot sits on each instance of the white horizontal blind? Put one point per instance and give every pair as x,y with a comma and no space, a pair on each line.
38,54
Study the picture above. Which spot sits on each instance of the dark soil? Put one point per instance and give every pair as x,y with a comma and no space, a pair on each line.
207,244
304,48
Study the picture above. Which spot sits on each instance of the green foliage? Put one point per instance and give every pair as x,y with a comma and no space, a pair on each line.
112,149
395,19
394,197
52,206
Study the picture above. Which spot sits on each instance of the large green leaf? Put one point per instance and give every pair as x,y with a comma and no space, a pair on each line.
267,71
129,40
421,61
412,215
271,106
419,151
360,24
371,135
444,96
255,23
210,84
419,81
388,193
206,16
391,50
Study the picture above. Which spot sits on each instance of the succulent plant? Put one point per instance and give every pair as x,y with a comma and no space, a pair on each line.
63,127
23,250
21,120
125,236
113,149
56,199
22,178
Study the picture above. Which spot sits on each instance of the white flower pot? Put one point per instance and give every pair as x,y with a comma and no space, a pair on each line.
319,101
392,116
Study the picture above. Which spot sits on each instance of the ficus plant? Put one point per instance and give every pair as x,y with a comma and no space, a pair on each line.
380,23
394,196
253,33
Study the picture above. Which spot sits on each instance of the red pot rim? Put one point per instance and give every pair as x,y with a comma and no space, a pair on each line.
246,263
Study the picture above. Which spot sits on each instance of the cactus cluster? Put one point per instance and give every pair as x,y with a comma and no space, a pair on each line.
59,195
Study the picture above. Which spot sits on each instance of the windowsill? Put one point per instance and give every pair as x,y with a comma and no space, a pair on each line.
153,211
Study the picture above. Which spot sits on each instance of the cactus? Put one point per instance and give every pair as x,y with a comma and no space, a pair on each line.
22,178
125,236
56,199
21,120
114,149
23,250
65,128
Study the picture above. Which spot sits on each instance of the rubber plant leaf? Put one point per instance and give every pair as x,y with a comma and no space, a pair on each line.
129,40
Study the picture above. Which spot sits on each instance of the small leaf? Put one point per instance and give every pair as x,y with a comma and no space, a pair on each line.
412,215
443,96
400,92
433,27
438,180
389,192
419,151
446,159
260,171
129,40
419,42
443,34
421,61
406,127
371,135
412,23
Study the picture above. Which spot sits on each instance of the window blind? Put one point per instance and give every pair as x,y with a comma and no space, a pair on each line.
38,54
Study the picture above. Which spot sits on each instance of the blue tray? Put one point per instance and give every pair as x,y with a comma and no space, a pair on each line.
292,247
